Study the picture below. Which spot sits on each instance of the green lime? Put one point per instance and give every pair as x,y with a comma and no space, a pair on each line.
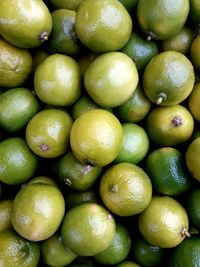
15,64
77,175
111,79
25,24
180,42
118,249
47,133
5,214
193,101
96,137
128,264
186,254
129,4
170,125
75,198
88,229
17,161
169,177
192,156
42,214
57,80
104,25
17,107
192,206
195,11
135,108
54,253
135,144
146,254
85,60
125,189
42,179
66,4
168,78
194,52
140,50
164,223
161,19
16,251
63,38
39,55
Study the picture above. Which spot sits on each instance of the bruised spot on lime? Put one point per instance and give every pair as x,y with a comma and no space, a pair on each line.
177,121
44,147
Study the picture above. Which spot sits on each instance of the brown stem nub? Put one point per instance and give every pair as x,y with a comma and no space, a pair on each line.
161,96
185,232
67,181
43,37
151,35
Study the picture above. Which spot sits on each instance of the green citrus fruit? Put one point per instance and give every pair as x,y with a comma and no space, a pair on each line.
135,144
32,22
193,101
54,253
96,137
47,133
42,214
5,214
111,79
57,80
66,4
17,161
39,55
129,4
194,52
195,11
75,198
43,180
164,223
168,78
17,107
192,206
125,189
128,264
88,229
16,251
104,25
161,19
192,156
118,249
15,64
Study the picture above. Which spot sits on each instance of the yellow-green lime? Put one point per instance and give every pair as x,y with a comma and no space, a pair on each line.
164,223
118,249
17,107
42,215
75,198
18,163
128,264
47,133
193,101
16,251
192,206
66,4
5,214
169,177
170,125
104,25
161,19
111,79
39,55
96,137
168,78
192,156
57,80
54,253
135,144
195,11
88,229
15,64
194,52
135,108
43,180
125,189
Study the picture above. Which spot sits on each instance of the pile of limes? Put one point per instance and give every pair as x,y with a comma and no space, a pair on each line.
99,133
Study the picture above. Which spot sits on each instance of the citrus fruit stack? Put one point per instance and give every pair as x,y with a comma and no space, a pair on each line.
99,133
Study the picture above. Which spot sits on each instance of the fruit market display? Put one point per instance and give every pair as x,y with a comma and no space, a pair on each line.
99,133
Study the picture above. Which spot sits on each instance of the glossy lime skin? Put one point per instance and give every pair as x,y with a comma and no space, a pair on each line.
22,22
193,101
17,161
55,253
111,79
47,133
57,80
88,229
192,156
75,174
17,107
16,251
169,177
186,254
42,214
162,222
140,50
193,207
171,73
104,25
162,19
146,254
118,249
194,52
195,10
5,214
96,137
15,64
63,38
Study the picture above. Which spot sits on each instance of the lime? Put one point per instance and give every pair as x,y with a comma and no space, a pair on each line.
192,206
66,4
75,198
193,101
195,11
128,264
194,52
192,156
5,214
